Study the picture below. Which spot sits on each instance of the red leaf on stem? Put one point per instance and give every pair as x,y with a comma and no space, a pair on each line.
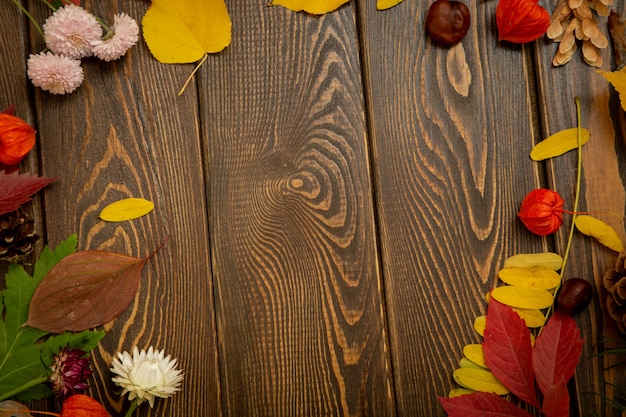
556,401
16,189
480,404
508,351
557,352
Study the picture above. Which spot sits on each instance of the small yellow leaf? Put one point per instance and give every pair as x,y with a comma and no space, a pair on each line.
474,352
126,209
539,277
479,380
183,31
466,363
618,79
523,297
479,324
559,143
457,392
534,318
605,234
529,260
387,4
311,6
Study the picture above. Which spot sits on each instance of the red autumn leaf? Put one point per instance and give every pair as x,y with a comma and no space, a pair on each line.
521,21
9,110
80,405
508,351
84,290
557,352
480,404
16,189
542,211
556,401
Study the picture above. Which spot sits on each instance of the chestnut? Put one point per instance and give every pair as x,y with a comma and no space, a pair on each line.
447,21
574,296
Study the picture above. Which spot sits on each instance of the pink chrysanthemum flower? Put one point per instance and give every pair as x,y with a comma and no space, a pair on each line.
72,31
55,73
123,35
70,371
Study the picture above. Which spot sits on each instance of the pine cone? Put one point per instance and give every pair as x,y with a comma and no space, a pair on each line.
614,281
17,236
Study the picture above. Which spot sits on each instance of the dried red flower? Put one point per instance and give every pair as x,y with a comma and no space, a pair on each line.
542,211
521,21
70,371
17,138
80,405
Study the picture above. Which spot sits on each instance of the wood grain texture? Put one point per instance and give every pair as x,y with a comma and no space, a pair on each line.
603,190
297,284
450,137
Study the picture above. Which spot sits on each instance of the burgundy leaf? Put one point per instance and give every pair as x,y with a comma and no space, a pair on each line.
556,401
557,352
16,189
84,290
480,404
508,351
9,110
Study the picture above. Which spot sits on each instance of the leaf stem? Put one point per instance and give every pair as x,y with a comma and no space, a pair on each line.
30,17
133,407
182,90
24,387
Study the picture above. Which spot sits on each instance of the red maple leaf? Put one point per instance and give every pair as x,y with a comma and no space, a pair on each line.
557,352
509,352
16,189
480,404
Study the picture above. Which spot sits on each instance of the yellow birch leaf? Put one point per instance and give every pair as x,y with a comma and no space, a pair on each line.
479,380
618,79
479,324
457,392
474,352
387,4
559,143
126,209
590,226
538,276
532,317
467,363
529,260
184,31
523,297
311,6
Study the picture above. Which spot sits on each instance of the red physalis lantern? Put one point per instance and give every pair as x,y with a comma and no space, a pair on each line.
542,211
521,21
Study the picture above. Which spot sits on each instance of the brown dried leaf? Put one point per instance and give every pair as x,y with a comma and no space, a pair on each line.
84,290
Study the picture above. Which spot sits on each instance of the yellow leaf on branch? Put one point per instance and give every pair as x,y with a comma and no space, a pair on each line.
387,4
539,277
185,31
605,234
559,143
479,380
474,352
528,260
126,209
618,79
523,297
311,6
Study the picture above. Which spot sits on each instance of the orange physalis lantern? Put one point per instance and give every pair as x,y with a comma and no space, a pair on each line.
80,405
17,138
521,21
542,211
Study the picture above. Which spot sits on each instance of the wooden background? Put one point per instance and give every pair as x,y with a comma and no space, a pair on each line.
339,193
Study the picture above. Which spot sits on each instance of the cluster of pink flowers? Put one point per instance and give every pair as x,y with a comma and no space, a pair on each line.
72,33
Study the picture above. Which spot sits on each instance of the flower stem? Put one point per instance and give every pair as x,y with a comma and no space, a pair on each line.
133,407
24,387
32,19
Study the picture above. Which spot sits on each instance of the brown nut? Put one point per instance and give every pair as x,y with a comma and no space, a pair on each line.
574,296
447,21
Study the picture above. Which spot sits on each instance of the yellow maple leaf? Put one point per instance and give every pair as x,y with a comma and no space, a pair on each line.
185,31
311,6
618,79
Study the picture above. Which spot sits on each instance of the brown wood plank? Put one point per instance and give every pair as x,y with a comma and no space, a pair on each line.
603,190
125,133
297,286
450,139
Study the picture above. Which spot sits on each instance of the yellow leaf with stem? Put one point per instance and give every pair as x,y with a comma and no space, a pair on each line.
126,209
311,6
457,392
523,297
529,260
539,277
387,4
185,31
474,352
559,143
479,380
605,234
618,79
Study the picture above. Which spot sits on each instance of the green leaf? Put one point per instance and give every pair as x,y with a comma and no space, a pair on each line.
20,353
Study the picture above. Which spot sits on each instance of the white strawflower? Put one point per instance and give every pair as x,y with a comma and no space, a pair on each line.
123,35
72,31
146,375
